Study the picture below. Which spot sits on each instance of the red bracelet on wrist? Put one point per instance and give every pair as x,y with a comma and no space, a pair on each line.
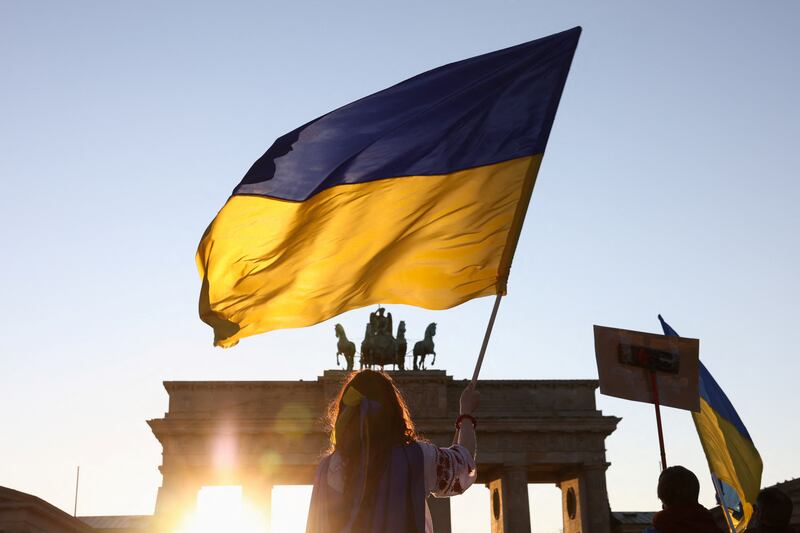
468,417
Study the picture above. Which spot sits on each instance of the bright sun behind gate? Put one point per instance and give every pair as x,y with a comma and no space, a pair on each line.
290,508
222,508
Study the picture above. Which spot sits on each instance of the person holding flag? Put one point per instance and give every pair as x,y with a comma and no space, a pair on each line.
378,472
678,490
732,457
413,195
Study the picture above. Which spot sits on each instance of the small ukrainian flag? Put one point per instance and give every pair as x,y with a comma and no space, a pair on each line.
732,457
413,195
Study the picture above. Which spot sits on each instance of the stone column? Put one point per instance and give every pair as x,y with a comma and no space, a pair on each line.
440,514
584,501
257,495
572,506
595,495
508,500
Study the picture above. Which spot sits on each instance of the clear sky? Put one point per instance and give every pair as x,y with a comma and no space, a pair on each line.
669,185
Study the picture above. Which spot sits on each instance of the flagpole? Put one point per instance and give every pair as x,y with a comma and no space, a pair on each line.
77,481
486,336
725,513
482,353
657,405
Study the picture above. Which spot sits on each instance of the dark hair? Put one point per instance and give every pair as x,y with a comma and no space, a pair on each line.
390,426
678,486
774,507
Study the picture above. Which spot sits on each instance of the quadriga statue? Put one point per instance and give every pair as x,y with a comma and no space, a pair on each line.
381,348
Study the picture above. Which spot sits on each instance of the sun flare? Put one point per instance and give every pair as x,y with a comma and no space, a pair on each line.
223,508
290,508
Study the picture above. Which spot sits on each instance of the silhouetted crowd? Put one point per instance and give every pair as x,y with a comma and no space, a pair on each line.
678,490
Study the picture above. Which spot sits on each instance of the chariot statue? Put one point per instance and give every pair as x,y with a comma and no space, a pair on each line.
381,348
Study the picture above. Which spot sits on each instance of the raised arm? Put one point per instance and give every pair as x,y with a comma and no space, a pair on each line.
470,399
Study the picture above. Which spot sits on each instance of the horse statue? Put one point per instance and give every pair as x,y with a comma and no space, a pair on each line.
402,345
344,347
425,347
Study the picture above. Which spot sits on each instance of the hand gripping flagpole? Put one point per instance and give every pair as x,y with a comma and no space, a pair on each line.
482,353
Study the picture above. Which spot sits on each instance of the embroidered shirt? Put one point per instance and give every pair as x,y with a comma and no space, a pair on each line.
448,472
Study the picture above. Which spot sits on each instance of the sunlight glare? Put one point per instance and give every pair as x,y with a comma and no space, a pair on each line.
290,508
221,508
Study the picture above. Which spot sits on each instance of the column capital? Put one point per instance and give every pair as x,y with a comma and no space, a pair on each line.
515,470
595,466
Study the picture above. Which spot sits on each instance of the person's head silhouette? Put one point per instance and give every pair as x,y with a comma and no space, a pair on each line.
677,486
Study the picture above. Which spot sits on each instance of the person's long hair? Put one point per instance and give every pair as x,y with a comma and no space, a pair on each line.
389,427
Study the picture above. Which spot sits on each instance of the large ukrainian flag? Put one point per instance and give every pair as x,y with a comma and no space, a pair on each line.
732,457
413,195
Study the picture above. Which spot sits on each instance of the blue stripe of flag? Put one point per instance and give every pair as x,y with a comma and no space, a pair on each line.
711,392
477,112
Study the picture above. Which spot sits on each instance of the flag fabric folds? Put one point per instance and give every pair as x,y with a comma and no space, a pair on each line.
412,195
732,457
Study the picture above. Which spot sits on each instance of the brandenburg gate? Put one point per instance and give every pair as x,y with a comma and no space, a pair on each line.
258,434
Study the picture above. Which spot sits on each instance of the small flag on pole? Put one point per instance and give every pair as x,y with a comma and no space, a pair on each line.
413,195
732,457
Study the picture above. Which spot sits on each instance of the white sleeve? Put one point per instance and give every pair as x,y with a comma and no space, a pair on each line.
448,471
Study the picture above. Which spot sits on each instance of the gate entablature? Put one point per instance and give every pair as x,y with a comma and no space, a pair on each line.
263,433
